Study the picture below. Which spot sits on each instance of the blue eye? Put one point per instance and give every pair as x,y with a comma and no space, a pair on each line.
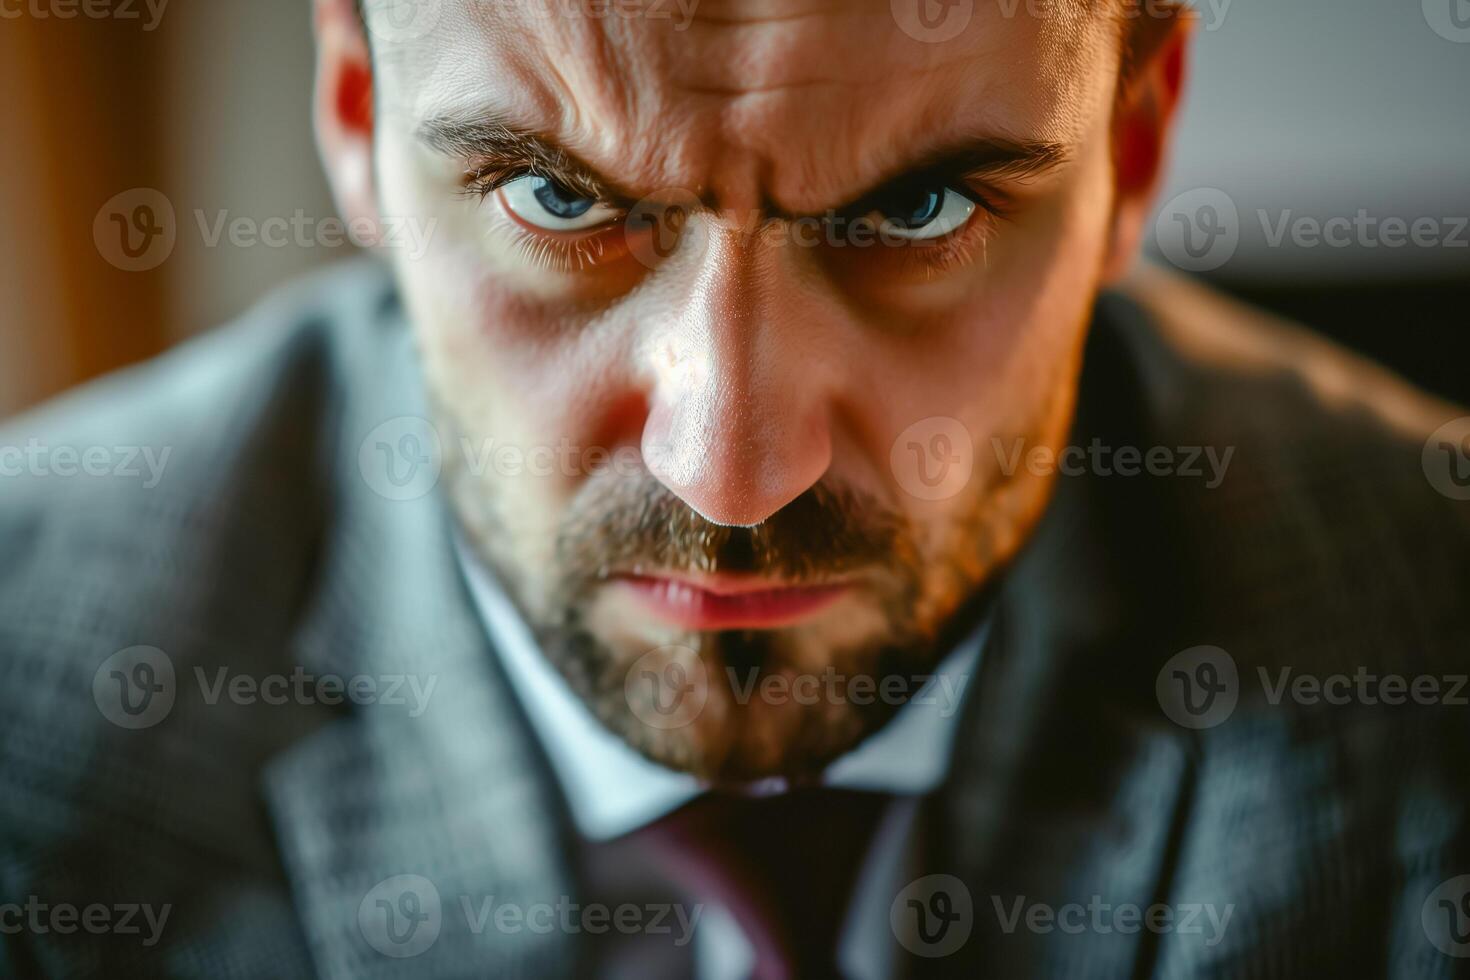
924,213
544,203
558,201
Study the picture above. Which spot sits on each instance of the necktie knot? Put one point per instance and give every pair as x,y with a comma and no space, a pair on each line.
784,866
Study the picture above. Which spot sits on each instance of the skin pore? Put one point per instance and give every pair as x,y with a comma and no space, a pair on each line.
725,271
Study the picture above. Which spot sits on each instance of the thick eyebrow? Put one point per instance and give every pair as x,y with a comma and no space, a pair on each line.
997,159
988,159
497,151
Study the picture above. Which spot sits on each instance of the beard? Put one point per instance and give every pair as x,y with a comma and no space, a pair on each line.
736,705
729,706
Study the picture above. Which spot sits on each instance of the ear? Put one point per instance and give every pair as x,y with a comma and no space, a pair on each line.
1143,122
343,113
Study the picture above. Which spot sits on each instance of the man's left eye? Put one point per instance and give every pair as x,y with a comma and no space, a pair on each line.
923,213
543,203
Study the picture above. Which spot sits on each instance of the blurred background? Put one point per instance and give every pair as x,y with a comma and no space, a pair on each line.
1313,130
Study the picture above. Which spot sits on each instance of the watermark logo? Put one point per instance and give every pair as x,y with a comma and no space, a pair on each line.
932,21
138,687
1205,463
409,691
1450,19
397,21
1104,918
402,458
42,460
408,234
1199,230
933,458
401,916
135,10
1362,687
135,688
660,223
1198,687
1446,459
943,692
1445,916
667,687
933,916
1362,230
40,917
136,230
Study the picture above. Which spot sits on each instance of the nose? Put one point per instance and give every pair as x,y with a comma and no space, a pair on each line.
738,423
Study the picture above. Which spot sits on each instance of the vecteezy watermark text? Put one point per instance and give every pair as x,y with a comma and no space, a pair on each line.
403,458
1201,687
39,459
137,687
402,916
1100,917
1103,460
299,687
97,918
1200,230
668,687
407,233
89,9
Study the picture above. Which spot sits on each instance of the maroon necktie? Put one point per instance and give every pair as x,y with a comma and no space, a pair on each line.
784,866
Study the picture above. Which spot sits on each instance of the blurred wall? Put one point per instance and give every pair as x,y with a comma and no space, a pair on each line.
1326,145
1297,108
207,105
1320,108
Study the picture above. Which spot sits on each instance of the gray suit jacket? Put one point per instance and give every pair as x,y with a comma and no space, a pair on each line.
269,828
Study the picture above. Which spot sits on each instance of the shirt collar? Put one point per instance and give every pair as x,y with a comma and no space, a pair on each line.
612,789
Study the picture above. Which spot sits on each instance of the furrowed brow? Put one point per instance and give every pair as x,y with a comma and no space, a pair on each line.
999,159
496,151
988,159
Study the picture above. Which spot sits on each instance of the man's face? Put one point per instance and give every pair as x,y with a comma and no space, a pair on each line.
763,299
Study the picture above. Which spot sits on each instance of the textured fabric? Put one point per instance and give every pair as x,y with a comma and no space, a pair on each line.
277,833
784,865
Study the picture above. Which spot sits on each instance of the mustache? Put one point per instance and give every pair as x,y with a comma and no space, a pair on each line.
638,522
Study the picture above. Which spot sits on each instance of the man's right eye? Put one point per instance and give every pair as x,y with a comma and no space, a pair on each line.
545,205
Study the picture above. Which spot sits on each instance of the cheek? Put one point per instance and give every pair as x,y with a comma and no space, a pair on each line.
996,376
995,359
499,356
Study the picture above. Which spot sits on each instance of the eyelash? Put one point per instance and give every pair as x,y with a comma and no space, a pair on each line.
574,254
962,247
543,250
481,182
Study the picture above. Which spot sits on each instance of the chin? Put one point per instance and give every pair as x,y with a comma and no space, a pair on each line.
739,705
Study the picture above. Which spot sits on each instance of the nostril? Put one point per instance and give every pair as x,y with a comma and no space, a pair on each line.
622,423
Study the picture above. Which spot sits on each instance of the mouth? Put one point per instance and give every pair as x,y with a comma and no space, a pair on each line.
726,602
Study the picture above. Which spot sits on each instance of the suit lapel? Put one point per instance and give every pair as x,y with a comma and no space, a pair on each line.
1069,788
405,826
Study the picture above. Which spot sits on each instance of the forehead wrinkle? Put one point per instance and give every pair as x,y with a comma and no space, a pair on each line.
858,143
753,56
553,81
723,13
630,99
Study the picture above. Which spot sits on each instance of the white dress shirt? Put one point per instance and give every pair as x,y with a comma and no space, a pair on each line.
612,790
